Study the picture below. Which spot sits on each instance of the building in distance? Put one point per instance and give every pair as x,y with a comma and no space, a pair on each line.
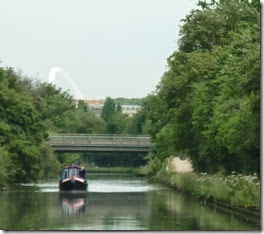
96,105
130,110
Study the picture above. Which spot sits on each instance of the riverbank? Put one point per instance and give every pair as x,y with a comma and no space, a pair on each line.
235,189
236,193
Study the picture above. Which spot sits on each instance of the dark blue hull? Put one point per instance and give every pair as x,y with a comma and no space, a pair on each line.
72,184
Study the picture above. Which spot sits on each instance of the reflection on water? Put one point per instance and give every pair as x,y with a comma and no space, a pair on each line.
113,202
72,204
102,183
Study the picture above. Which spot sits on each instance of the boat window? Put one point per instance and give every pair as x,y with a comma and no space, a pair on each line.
73,172
65,174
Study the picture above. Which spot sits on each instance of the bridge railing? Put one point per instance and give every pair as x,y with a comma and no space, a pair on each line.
96,135
88,139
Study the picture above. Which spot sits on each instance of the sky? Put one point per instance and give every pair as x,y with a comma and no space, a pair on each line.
115,48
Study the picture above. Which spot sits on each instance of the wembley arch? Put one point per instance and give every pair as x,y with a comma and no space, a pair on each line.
57,73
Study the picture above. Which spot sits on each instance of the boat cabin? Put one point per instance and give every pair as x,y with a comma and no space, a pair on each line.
69,172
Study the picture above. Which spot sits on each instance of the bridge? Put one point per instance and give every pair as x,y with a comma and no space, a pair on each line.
99,143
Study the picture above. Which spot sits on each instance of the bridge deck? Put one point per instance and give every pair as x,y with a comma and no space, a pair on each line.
102,143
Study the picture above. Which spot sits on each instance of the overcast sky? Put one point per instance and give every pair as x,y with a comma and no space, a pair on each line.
114,48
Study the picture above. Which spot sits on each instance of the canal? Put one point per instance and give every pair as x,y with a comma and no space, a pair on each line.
113,202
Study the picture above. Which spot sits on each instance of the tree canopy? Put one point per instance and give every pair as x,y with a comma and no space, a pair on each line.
22,131
207,104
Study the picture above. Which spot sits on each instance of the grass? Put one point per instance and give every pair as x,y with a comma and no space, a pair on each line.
235,189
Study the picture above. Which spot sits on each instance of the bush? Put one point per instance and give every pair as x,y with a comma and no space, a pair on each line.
235,189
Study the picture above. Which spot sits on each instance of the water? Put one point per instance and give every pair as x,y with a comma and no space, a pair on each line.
113,202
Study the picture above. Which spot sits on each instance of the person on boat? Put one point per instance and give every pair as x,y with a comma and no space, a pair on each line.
62,171
82,172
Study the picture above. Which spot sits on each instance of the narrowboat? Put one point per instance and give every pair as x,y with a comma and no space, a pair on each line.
73,178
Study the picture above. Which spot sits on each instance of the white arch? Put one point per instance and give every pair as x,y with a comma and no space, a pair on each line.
52,76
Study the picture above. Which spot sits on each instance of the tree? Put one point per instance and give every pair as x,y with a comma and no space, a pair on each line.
206,105
112,114
83,106
108,110
21,128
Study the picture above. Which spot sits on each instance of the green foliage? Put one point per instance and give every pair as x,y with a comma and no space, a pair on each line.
110,159
118,108
49,164
116,121
69,158
128,101
109,109
4,164
109,115
234,189
83,106
207,104
138,123
87,122
154,164
60,113
154,107
21,129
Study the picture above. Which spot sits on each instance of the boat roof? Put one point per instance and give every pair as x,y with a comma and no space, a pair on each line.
68,167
